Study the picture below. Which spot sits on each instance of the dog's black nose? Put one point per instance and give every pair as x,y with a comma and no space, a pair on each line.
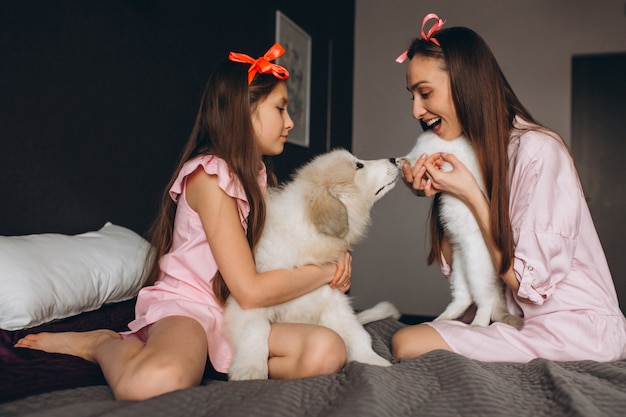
393,161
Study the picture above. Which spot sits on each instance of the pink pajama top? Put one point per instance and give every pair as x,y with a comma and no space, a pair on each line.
184,287
573,312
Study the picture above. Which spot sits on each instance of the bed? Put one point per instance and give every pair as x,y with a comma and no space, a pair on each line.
437,384
440,383
81,146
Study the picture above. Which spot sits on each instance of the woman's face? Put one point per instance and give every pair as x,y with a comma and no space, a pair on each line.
271,121
429,85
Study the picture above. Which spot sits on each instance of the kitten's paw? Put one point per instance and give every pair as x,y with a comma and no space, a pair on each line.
446,316
480,322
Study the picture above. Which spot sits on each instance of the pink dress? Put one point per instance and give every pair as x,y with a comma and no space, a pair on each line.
184,287
559,262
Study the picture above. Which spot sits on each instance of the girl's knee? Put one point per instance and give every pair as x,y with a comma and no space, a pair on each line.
324,353
151,381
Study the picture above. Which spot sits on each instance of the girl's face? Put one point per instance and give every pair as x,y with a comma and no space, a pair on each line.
272,122
429,85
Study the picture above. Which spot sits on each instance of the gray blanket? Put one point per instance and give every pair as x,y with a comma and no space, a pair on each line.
437,384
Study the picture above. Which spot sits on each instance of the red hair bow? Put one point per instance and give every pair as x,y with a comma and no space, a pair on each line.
263,65
426,36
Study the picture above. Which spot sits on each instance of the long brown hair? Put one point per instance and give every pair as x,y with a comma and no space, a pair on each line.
223,127
486,107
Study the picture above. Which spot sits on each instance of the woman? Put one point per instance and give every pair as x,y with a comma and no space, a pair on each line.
534,216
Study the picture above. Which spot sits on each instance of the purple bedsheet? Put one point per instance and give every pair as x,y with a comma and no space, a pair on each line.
25,372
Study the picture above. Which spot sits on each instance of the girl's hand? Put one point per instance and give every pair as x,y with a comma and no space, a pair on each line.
343,273
417,179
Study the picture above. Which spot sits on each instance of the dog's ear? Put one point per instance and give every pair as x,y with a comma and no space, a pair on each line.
328,214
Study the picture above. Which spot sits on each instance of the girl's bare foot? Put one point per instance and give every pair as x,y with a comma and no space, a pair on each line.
82,344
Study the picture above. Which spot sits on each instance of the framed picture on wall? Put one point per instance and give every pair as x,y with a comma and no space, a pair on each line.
297,60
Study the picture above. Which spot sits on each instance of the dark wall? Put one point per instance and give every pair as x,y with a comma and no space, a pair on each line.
598,109
98,97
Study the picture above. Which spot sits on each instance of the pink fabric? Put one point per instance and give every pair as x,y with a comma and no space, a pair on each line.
559,262
184,287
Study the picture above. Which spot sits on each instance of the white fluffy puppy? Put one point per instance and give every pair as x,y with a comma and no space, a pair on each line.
323,210
473,277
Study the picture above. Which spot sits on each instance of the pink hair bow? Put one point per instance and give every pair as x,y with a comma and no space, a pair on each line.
426,36
263,65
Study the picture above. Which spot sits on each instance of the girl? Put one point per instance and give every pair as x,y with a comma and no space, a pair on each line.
533,217
209,221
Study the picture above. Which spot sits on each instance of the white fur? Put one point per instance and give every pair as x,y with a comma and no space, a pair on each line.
473,277
324,210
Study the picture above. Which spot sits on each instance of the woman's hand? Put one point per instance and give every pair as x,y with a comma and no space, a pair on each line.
343,273
427,178
417,179
458,182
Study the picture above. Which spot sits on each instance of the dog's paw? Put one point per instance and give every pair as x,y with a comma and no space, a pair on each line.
246,373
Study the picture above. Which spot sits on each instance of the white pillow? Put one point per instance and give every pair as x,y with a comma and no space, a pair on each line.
52,276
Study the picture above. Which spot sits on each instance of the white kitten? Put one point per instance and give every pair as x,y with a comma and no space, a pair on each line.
473,277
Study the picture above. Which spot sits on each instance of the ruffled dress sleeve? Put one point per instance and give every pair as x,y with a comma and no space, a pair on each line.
227,181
